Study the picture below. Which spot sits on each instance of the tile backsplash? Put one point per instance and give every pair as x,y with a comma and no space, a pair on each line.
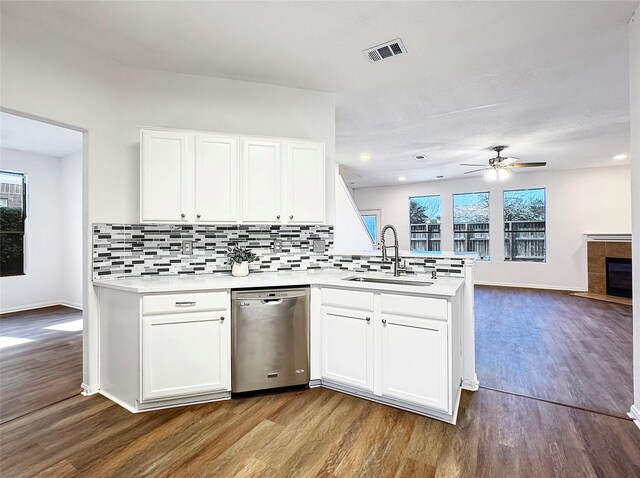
123,250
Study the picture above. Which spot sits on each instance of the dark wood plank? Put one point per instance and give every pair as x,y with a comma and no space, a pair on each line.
555,346
333,435
38,373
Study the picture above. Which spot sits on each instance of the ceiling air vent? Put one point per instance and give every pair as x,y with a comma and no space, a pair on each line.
386,50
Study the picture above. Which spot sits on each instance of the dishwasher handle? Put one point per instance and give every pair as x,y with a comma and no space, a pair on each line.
273,301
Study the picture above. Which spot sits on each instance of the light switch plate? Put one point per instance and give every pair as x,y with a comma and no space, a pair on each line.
319,246
187,247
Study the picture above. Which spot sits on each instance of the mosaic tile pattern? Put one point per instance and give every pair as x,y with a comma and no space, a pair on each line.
123,250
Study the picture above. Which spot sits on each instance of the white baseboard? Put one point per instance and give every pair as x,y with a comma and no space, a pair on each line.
529,286
90,389
471,384
634,414
39,305
72,305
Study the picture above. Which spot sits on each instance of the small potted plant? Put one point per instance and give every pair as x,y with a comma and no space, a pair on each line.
239,258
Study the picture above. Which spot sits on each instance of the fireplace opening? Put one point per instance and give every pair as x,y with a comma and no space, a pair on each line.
619,277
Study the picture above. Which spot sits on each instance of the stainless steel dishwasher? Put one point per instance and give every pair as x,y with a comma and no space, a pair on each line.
270,339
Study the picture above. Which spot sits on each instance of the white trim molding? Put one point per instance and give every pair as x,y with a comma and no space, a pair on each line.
609,237
531,286
89,389
634,414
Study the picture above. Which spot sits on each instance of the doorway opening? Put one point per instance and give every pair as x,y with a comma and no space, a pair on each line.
41,253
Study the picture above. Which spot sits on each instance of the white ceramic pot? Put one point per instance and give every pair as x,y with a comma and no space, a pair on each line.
240,269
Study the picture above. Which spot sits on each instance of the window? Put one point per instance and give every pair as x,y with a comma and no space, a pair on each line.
13,192
424,223
525,225
471,223
371,219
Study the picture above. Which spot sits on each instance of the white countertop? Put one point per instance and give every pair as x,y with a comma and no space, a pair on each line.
444,286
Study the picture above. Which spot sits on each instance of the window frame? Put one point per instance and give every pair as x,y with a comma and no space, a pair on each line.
378,214
504,232
488,231
25,196
428,239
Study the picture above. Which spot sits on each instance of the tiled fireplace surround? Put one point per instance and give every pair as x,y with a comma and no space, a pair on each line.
125,250
597,252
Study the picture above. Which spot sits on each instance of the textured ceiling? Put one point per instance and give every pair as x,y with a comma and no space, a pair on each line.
549,79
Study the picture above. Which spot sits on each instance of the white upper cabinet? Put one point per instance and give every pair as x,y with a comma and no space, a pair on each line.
196,177
261,181
304,183
164,174
216,178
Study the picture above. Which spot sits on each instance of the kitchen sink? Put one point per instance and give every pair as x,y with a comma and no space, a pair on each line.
381,280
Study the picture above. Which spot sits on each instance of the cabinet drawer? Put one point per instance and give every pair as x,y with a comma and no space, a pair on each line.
184,302
349,299
415,306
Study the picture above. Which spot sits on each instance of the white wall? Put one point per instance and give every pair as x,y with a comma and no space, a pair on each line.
634,52
71,233
349,232
578,202
47,77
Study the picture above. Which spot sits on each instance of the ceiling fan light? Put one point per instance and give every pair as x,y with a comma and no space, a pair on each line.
491,174
503,173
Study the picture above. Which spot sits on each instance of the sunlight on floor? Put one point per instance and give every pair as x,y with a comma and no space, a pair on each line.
11,341
72,326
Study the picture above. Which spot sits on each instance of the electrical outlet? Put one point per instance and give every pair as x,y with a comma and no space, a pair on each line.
277,245
319,246
187,247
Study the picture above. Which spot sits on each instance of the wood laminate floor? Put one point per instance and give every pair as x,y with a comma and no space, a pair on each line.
41,372
555,346
319,433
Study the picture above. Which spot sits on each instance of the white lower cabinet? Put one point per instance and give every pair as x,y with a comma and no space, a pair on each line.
398,352
415,360
185,354
347,344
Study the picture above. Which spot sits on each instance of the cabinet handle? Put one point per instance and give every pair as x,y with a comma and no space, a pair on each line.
197,216
368,319
278,216
291,217
183,215
185,304
384,321
222,319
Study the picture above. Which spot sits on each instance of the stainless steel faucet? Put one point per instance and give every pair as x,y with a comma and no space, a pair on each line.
397,269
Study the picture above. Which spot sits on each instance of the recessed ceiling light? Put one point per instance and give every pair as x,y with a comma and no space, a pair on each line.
620,156
365,156
402,178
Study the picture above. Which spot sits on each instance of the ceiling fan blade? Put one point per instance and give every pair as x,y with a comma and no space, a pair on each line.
471,164
475,170
527,165
508,161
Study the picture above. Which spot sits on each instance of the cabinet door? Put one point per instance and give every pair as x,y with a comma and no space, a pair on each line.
415,361
216,179
185,354
164,176
304,183
347,347
261,184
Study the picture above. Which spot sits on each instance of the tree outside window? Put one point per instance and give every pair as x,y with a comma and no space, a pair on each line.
471,223
525,225
424,223
13,192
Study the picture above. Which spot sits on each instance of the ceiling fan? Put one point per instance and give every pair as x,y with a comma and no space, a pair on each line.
501,166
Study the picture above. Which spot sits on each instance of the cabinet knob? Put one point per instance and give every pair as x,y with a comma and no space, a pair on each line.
368,319
183,215
222,319
384,321
278,216
197,216
291,217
